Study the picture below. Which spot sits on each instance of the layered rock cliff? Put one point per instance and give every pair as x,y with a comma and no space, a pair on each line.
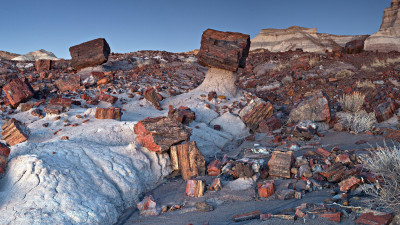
388,37
281,40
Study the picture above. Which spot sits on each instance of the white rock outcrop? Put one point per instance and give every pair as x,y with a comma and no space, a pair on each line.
281,40
36,55
89,179
388,37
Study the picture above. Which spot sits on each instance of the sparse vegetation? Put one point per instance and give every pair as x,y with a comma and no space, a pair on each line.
358,122
365,68
365,84
384,63
385,162
352,102
344,73
281,66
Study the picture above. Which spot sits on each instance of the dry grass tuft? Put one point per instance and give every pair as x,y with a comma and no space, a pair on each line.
281,66
365,68
357,122
365,84
344,74
384,63
385,162
353,102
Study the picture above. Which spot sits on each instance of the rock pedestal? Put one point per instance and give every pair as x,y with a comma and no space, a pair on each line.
89,54
223,53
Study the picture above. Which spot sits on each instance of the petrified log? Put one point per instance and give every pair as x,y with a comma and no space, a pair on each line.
68,83
43,64
255,112
280,164
335,172
188,160
223,50
151,96
88,54
160,133
14,132
18,91
108,113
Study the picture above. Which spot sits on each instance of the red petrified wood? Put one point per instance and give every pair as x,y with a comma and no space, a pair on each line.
280,164
188,159
182,114
151,95
160,133
255,112
195,188
18,91
14,132
266,189
223,50
108,113
91,53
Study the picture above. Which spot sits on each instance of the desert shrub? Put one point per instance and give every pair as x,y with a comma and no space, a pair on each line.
344,73
282,66
357,122
365,84
385,162
384,63
352,102
365,68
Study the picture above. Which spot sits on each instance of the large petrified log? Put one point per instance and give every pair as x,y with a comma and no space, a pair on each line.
224,53
188,160
224,50
88,54
14,132
18,91
160,133
255,112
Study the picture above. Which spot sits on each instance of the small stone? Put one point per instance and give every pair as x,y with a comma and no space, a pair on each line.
214,168
204,207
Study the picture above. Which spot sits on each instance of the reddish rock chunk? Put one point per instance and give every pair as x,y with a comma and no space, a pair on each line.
247,216
151,95
343,158
188,160
280,164
223,50
148,206
372,219
392,134
108,98
266,189
195,188
385,111
243,170
14,132
315,108
182,114
4,152
216,185
214,168
18,91
349,183
65,102
255,112
54,109
88,54
322,152
160,133
108,113
43,64
269,125
354,46
335,217
68,83
335,172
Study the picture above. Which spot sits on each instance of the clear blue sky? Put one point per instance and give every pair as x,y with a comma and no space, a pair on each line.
171,25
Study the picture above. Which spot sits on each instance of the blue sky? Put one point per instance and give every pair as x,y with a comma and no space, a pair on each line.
170,25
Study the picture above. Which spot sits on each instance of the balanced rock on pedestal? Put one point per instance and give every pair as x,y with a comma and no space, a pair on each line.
89,54
223,53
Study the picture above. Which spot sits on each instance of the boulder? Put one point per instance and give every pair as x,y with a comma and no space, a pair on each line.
18,91
160,133
354,46
223,50
108,113
315,108
388,37
89,54
14,132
